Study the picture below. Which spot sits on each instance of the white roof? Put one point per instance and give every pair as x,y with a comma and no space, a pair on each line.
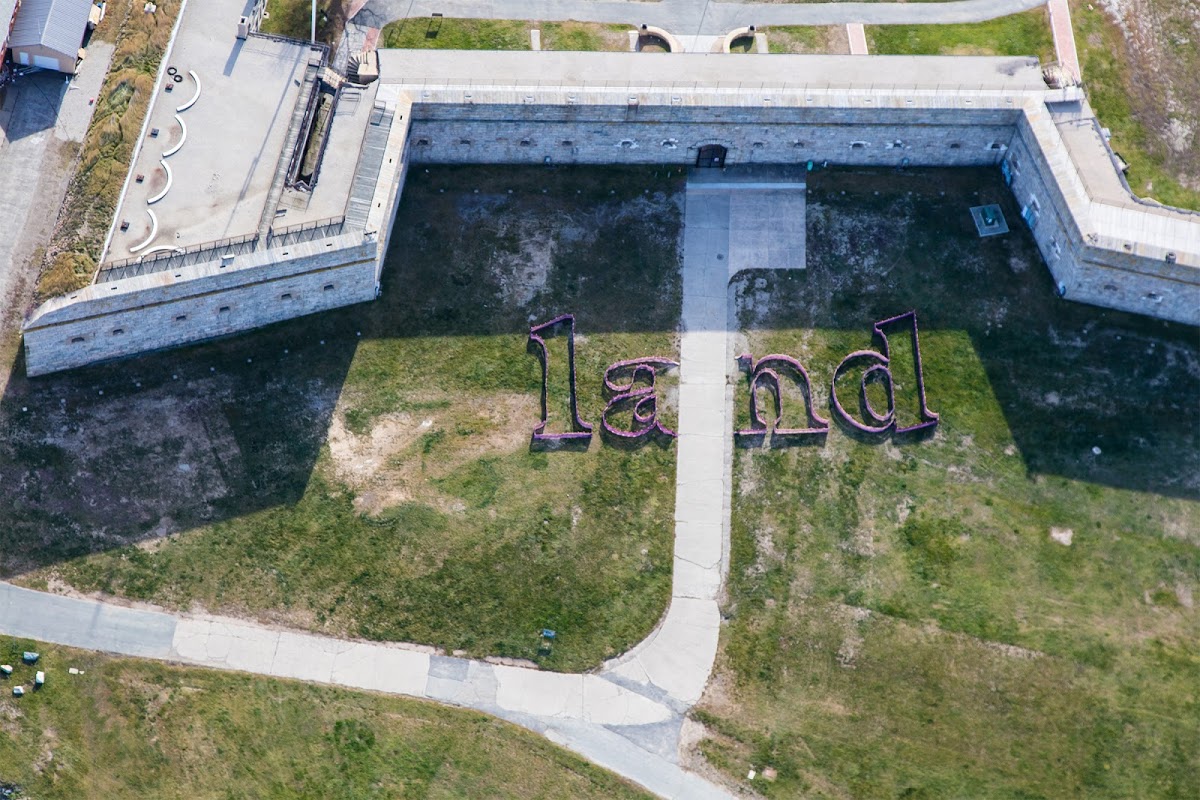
56,24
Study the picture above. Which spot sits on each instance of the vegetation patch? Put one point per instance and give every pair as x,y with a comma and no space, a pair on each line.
501,34
368,472
91,201
293,18
997,609
1024,34
128,728
807,39
1142,77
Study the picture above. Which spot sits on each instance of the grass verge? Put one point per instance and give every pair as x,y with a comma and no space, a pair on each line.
293,18
501,34
384,486
807,39
1024,34
141,39
129,728
1125,96
902,621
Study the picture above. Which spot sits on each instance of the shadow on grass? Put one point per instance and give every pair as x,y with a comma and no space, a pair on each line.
96,458
1068,377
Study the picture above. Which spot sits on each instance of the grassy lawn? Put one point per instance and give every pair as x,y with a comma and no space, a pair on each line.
501,34
128,728
901,621
1129,98
1025,34
384,486
294,18
805,39
141,39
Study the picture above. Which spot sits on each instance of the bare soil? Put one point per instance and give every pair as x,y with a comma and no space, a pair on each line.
1163,51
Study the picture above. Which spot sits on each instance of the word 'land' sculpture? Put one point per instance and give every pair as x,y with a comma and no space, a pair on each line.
632,386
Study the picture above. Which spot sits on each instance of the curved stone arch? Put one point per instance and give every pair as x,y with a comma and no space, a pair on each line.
734,35
162,248
195,97
170,179
729,145
662,34
153,232
182,138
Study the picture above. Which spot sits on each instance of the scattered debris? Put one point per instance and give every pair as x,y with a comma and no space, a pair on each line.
1062,535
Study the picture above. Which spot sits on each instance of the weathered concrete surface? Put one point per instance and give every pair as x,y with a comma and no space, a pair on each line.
42,118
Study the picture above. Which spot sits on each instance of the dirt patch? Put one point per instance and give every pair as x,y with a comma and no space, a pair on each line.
1162,38
385,466
1062,535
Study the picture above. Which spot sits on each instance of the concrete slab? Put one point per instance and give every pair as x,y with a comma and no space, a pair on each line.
81,623
858,38
221,176
614,69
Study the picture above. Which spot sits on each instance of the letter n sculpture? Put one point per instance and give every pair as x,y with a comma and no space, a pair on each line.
765,374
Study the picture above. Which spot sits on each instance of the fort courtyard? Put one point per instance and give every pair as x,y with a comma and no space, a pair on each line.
750,435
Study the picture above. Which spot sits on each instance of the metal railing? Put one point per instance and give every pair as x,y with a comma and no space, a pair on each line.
168,259
306,231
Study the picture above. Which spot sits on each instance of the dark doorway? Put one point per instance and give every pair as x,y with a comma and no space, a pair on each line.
711,155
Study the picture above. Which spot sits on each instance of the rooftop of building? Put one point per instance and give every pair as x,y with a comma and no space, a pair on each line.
56,24
222,160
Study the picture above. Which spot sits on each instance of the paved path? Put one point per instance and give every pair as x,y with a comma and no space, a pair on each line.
627,717
858,38
38,111
609,724
1064,38
680,17
693,17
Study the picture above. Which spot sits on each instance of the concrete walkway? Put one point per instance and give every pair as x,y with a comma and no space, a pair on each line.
1064,38
695,17
628,716
609,724
40,111
857,35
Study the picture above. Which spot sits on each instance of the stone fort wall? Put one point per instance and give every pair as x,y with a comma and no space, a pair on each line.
1087,266
640,134
162,310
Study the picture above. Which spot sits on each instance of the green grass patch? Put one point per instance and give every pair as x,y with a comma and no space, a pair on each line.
293,18
128,728
807,39
1112,91
91,201
901,622
501,34
456,34
584,36
1024,34
376,479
